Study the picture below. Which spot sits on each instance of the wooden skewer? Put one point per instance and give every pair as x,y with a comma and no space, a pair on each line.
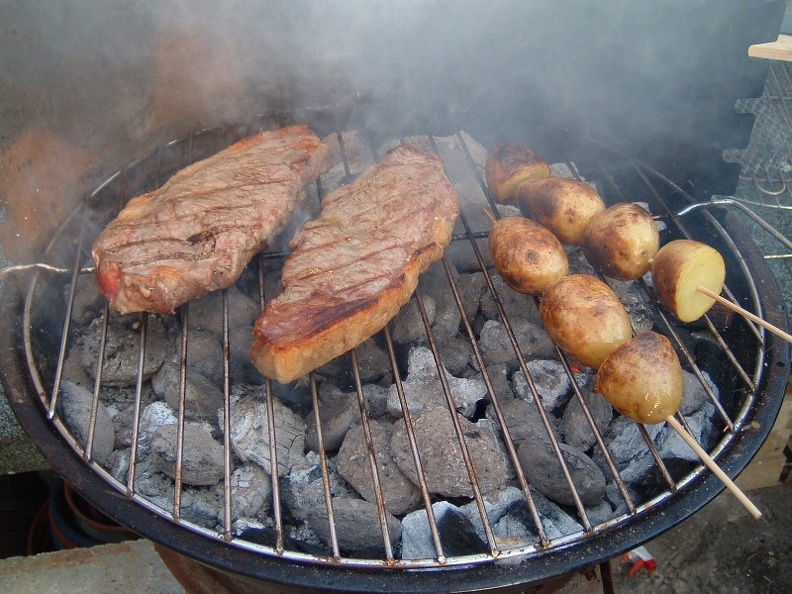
734,307
710,463
489,215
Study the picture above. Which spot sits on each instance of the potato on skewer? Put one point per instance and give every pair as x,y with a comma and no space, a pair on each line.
565,206
622,241
678,269
642,379
508,165
527,256
585,318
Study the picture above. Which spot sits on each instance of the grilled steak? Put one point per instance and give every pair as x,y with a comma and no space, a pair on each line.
197,232
356,265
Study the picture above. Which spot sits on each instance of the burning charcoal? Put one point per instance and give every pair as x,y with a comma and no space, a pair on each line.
202,456
457,534
423,390
376,398
671,445
499,378
578,263
408,326
204,354
543,471
624,440
457,354
202,397
75,407
120,366
522,419
636,302
88,301
251,491
399,494
555,521
496,504
206,313
516,305
303,489
614,496
357,527
372,361
250,434
441,456
695,396
551,381
574,424
599,513
497,348
471,289
434,283
338,412
242,369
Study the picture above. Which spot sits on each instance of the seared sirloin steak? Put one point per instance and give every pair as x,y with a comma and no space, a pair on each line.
198,231
356,265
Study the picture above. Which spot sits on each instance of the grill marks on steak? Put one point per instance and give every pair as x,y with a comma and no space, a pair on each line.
198,231
355,266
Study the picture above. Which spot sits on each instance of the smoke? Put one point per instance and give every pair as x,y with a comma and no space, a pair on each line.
119,78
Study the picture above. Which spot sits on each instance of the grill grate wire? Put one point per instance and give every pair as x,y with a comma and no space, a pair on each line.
120,184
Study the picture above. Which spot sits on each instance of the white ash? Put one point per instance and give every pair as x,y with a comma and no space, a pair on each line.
204,355
202,457
250,433
550,380
424,391
152,418
251,492
471,287
76,404
523,421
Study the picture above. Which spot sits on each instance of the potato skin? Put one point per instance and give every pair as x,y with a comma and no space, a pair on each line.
527,256
642,379
585,318
508,165
621,241
678,268
565,206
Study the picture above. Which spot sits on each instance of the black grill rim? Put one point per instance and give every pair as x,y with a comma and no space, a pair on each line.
292,576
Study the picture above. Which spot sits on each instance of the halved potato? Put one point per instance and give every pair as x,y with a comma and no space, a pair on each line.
508,165
585,318
527,256
622,241
642,379
565,206
678,268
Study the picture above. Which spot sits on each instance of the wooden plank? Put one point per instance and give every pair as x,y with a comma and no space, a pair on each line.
781,49
766,468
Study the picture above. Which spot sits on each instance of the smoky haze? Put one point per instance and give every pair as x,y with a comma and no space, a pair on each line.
117,78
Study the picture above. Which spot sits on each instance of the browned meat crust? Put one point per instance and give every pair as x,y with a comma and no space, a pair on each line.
355,266
197,232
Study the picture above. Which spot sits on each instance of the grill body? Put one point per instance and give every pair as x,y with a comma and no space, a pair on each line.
568,79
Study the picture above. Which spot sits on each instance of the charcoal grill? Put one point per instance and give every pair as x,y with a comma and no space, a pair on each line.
755,372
